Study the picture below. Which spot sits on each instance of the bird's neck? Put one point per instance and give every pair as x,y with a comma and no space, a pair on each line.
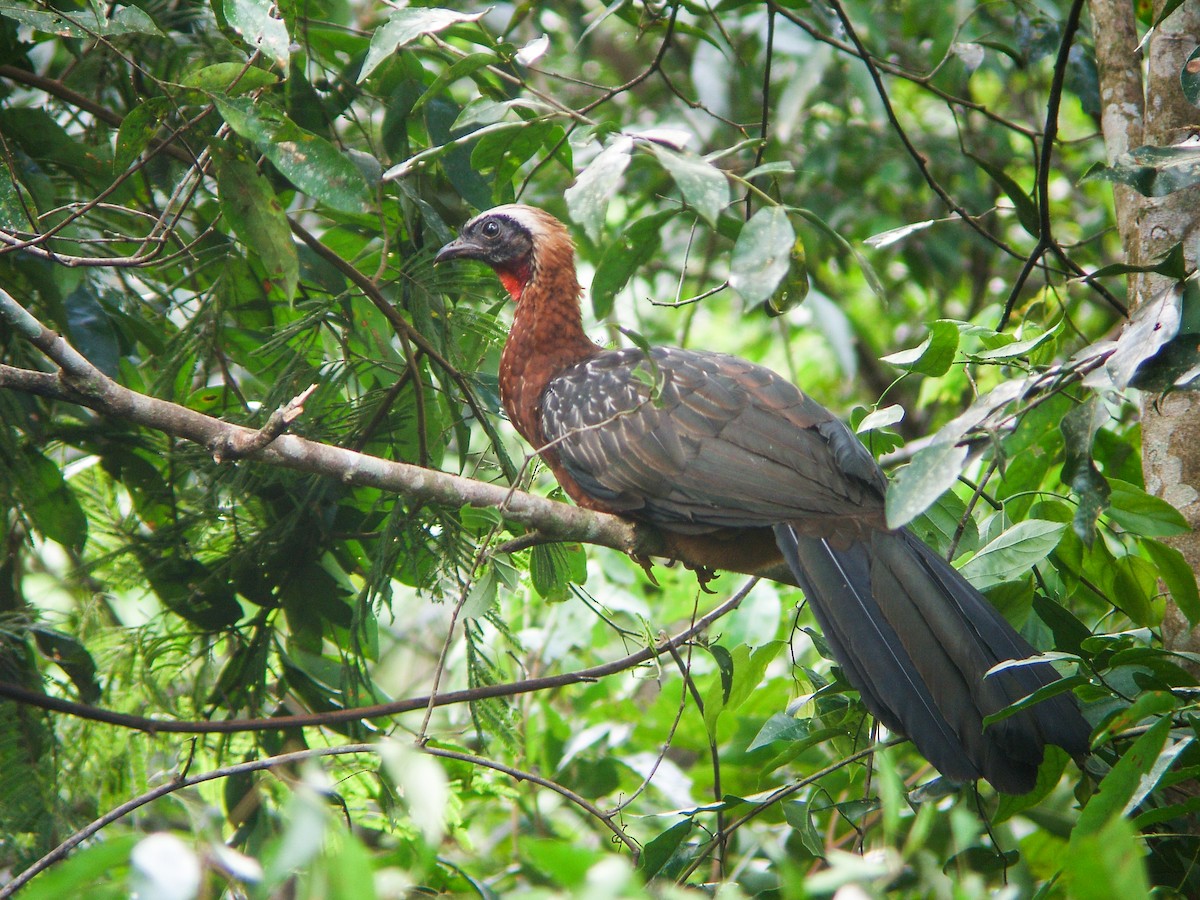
546,338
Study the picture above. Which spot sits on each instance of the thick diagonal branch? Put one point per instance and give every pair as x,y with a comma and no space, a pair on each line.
78,381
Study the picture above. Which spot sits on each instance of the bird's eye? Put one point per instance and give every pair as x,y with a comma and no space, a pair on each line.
490,229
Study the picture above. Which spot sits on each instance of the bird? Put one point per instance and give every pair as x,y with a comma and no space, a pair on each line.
743,471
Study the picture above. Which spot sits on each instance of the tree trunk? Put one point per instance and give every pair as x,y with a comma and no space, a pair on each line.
1157,114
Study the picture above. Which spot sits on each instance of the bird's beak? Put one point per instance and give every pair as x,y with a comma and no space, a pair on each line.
458,249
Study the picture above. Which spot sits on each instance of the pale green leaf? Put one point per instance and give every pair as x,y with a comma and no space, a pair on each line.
762,255
702,184
404,26
1014,553
258,24
587,199
934,355
932,471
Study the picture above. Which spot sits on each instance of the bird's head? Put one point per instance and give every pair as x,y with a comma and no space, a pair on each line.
517,241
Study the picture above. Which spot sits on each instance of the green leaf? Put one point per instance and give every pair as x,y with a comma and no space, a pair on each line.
587,199
1152,325
780,727
892,235
84,24
1014,349
91,328
932,471
1054,763
1023,203
794,288
740,673
43,494
880,418
1106,863
14,215
1125,781
762,255
72,657
85,871
138,128
799,815
553,567
253,20
231,79
660,851
1178,576
404,26
934,355
1135,584
637,244
482,594
702,184
1014,553
257,218
311,163
1143,514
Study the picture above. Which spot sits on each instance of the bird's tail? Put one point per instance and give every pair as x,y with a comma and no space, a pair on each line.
915,639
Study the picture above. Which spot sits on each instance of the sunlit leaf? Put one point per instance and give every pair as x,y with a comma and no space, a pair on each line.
762,255
587,199
932,471
1014,553
881,418
1154,171
934,355
892,235
702,184
260,26
229,78
405,25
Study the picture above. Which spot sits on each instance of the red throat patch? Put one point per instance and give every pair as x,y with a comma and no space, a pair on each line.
515,280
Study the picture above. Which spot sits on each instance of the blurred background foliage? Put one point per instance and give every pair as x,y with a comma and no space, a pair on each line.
222,203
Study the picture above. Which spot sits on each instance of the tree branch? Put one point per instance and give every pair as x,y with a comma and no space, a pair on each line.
24,695
78,381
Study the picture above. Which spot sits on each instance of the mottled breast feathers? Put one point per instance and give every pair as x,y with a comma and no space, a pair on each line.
694,441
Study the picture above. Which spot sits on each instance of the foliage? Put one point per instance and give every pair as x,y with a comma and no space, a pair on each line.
221,204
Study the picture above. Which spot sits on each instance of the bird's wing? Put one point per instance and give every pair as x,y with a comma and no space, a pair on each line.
693,440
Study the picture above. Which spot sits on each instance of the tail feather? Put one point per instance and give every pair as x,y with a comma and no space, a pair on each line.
916,640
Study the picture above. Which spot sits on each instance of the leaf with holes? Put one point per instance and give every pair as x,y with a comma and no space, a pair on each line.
258,23
311,163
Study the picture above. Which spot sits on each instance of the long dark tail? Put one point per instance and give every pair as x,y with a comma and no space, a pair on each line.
915,639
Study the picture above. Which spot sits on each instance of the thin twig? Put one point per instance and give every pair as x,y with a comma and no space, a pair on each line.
22,694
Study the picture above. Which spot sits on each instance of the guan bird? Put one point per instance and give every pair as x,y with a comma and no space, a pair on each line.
743,471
